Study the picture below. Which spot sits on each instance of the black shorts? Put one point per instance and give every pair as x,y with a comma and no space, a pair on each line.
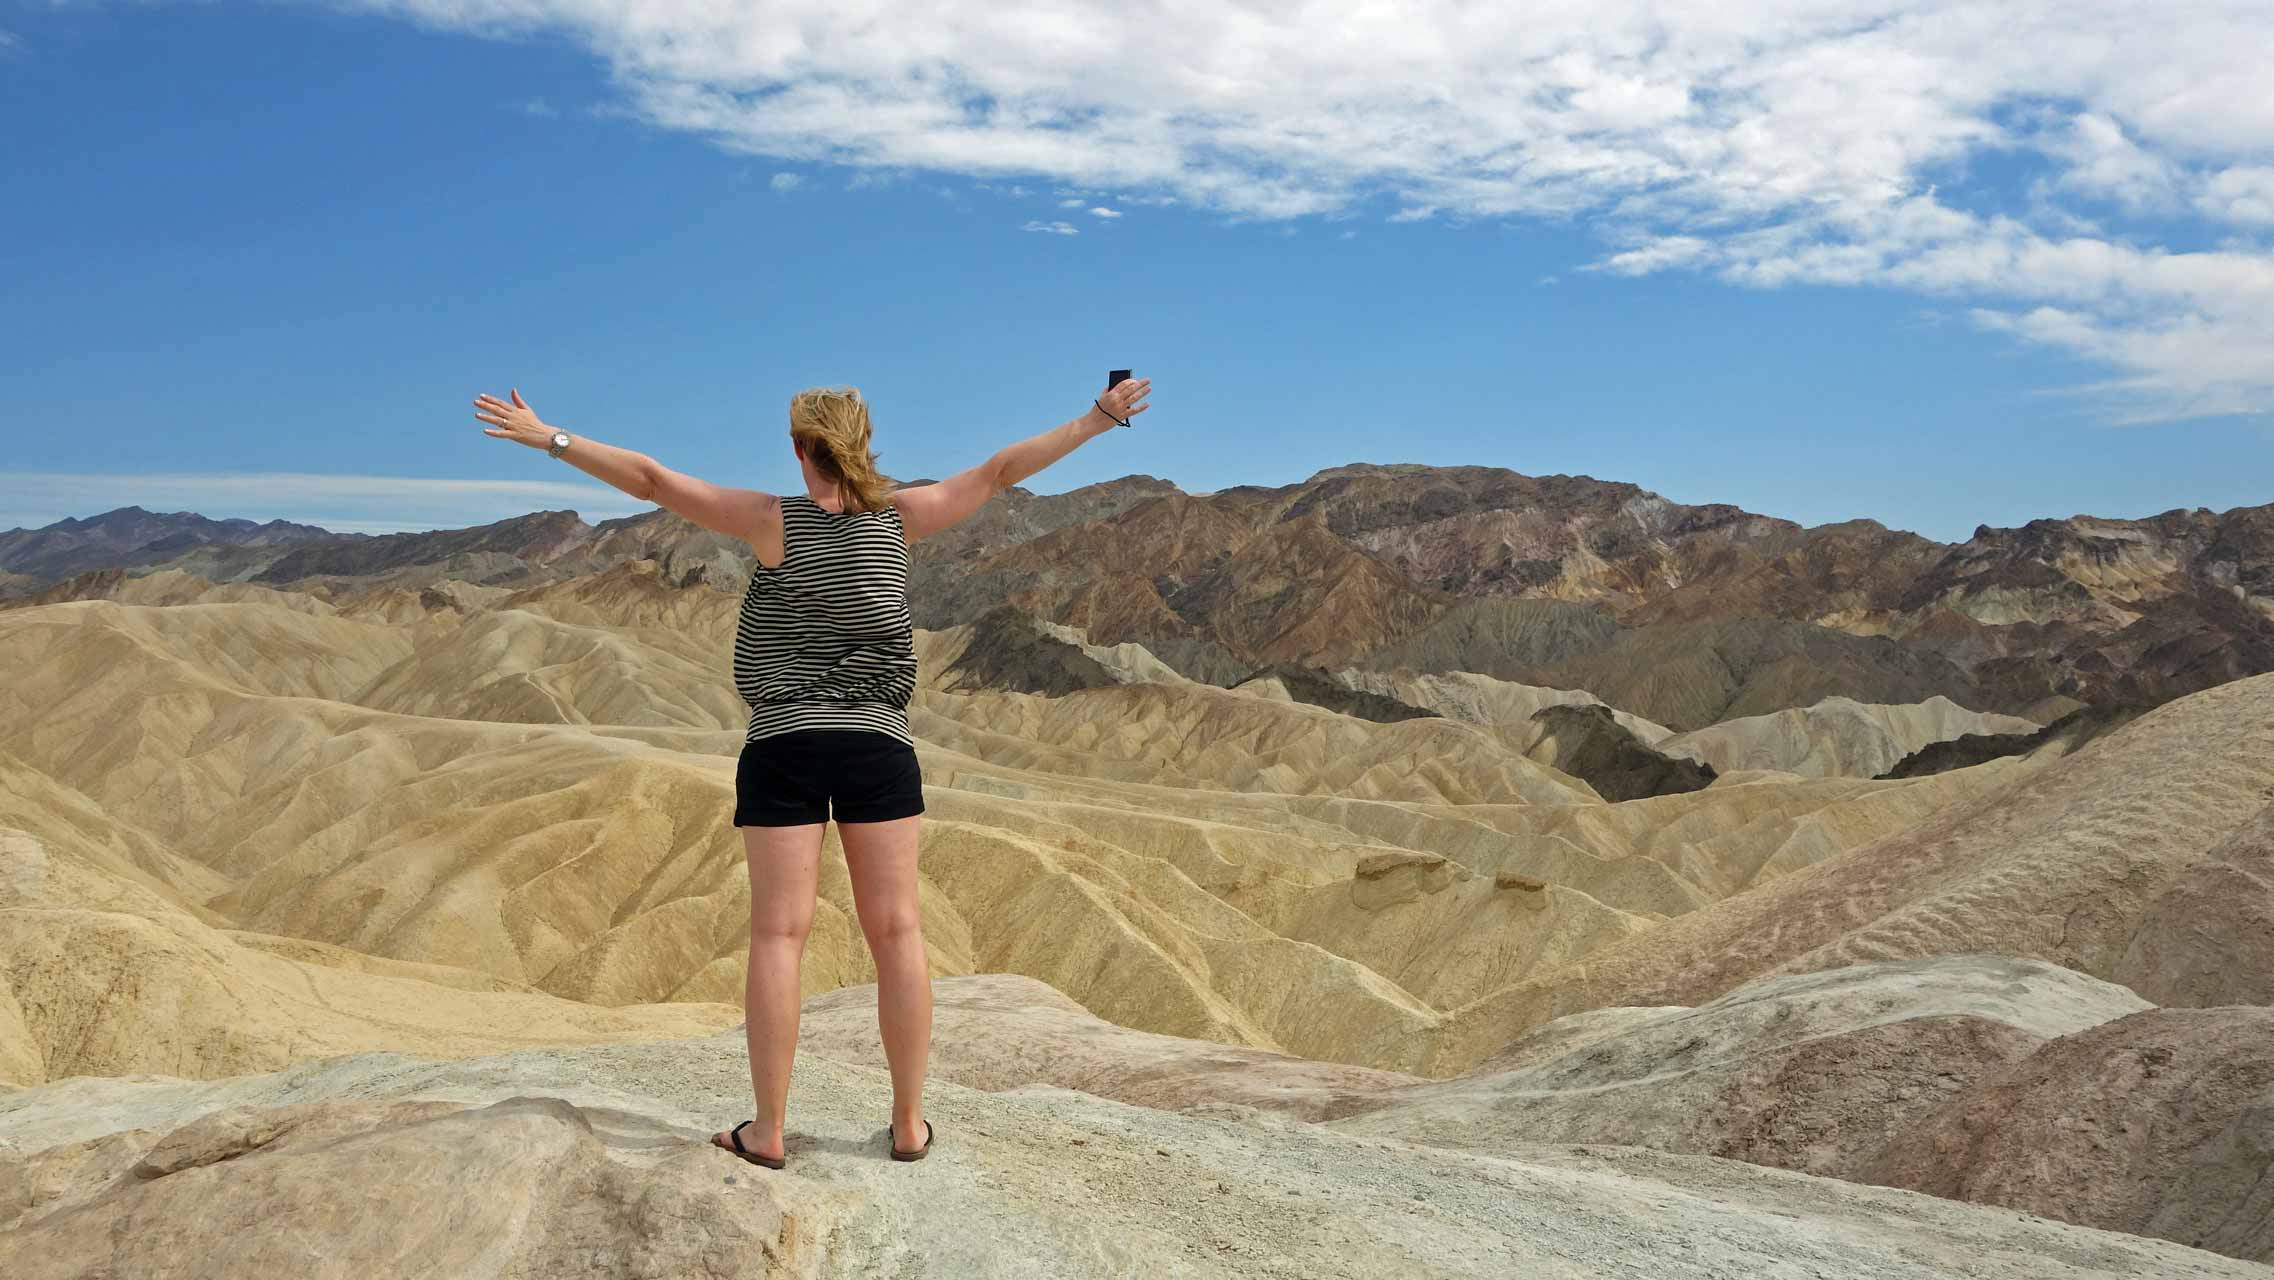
794,779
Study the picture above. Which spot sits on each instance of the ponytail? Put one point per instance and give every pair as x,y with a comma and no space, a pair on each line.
832,425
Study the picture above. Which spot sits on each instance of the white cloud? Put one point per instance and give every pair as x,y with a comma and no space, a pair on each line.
1052,228
786,181
1102,212
2102,161
2242,194
348,503
1771,141
1072,202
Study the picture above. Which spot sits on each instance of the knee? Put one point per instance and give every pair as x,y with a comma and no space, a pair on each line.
894,929
765,931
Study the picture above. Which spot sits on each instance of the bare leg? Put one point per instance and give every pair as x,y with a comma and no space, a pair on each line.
880,860
785,866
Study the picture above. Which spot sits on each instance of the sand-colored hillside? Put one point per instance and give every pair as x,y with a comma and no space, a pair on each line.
2063,865
1179,858
1838,737
167,587
1482,699
100,975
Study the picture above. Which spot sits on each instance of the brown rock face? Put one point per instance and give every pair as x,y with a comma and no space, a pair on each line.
2158,1124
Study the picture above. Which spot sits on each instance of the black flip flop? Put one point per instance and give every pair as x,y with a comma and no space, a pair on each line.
734,1136
919,1153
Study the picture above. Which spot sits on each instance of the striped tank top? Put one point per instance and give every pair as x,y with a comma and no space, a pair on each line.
826,641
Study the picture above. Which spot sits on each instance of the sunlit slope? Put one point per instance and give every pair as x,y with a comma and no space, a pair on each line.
1483,699
102,974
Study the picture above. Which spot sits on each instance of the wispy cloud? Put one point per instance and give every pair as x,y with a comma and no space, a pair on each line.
1101,211
344,502
537,107
1072,202
1767,142
1052,228
785,181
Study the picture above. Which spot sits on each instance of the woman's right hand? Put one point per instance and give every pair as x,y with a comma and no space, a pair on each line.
1126,399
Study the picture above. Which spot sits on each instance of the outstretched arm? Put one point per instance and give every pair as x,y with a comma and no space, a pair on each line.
736,512
929,508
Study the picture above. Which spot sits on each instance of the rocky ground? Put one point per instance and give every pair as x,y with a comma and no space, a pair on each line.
592,1161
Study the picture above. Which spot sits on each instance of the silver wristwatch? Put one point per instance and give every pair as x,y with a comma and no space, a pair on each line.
560,443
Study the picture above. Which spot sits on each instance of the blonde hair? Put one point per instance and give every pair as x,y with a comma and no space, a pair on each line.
832,425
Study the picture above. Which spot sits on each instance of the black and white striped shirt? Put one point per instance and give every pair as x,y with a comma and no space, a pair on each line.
826,641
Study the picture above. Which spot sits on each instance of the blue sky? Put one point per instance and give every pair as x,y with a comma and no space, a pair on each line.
258,260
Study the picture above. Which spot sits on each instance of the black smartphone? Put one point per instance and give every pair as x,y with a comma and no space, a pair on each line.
1116,378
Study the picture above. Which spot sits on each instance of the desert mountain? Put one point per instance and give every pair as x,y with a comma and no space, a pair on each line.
131,536
1416,567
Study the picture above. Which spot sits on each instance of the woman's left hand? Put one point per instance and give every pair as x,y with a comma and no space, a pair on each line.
516,422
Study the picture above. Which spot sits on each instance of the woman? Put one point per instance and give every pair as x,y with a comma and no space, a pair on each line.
824,655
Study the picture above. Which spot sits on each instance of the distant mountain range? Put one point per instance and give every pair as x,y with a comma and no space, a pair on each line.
132,537
1684,614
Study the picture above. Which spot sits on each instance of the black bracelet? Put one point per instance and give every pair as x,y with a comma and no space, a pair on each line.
1109,413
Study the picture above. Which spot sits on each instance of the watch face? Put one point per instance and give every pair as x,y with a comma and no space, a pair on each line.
560,439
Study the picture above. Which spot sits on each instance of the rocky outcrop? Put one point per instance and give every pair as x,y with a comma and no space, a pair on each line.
1319,689
2064,735
1590,744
